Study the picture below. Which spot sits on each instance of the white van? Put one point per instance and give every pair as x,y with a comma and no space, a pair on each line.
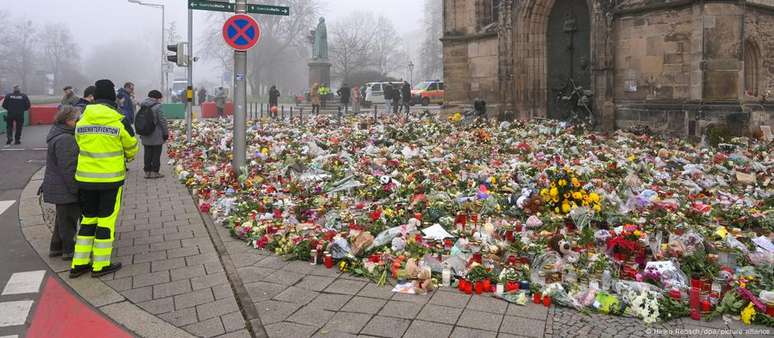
375,91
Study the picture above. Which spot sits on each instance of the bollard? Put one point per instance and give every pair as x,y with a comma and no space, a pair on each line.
338,115
261,110
283,113
291,114
301,115
375,113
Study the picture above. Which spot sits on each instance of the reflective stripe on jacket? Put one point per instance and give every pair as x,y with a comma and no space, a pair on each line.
104,144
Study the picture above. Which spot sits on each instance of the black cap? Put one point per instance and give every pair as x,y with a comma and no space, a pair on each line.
67,88
105,90
155,94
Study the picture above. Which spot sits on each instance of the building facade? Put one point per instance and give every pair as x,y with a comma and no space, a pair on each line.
677,66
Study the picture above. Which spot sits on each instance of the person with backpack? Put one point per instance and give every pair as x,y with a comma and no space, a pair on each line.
151,125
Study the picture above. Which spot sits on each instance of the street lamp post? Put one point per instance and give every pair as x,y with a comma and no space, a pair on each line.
163,88
411,72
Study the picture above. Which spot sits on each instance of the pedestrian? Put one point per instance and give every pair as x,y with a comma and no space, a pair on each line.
69,98
324,91
87,99
355,99
126,101
220,101
202,95
388,92
314,97
15,104
154,142
345,93
406,94
59,186
395,99
274,95
105,144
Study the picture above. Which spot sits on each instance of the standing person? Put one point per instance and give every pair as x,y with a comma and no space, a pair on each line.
87,99
105,143
344,95
388,92
69,98
405,92
314,97
273,99
15,103
126,101
324,92
154,142
202,95
355,99
220,101
59,186
395,99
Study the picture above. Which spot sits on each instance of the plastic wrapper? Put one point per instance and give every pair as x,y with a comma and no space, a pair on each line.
339,248
622,287
546,263
385,237
669,275
560,297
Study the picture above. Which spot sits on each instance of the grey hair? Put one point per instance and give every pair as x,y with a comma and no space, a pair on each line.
66,113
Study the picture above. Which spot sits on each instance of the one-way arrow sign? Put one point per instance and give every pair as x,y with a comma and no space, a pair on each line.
206,5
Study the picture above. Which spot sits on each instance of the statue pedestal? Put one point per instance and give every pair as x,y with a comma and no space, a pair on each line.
319,72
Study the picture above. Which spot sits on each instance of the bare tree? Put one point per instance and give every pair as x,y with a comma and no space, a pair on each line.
60,52
431,51
352,42
282,47
173,37
17,52
389,51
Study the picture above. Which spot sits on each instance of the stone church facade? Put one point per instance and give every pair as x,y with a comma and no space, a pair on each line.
676,66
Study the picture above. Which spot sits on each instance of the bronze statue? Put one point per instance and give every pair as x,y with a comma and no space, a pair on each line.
320,50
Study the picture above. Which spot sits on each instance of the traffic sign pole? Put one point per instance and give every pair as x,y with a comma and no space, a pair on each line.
240,101
189,104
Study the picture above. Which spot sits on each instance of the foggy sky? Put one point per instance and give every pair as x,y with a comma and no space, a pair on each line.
97,22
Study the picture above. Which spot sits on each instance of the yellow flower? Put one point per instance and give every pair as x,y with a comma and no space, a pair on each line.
493,180
554,192
597,208
637,233
544,192
577,195
562,182
575,182
556,209
594,197
748,313
565,207
632,158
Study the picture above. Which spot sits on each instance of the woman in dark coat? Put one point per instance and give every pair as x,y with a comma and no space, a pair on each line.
59,186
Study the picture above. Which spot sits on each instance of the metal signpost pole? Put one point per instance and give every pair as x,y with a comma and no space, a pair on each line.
189,93
240,101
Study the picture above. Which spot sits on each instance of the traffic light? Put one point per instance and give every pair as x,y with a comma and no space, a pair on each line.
179,57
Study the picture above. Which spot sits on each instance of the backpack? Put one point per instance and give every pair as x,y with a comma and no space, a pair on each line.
144,123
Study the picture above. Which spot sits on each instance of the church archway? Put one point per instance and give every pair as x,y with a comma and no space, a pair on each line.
751,57
569,54
531,52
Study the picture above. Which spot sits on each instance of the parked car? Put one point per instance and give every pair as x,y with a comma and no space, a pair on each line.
375,91
177,92
428,92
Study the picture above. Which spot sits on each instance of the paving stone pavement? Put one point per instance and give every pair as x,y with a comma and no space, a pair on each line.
170,266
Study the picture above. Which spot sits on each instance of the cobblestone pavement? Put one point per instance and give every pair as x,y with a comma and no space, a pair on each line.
171,268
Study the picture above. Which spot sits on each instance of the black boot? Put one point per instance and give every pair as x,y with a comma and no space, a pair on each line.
113,267
79,270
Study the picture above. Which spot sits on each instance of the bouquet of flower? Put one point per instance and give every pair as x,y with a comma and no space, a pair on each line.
566,192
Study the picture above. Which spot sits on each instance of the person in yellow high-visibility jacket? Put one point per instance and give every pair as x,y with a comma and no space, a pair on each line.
106,142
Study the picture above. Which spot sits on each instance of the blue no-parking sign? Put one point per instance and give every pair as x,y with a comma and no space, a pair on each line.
241,32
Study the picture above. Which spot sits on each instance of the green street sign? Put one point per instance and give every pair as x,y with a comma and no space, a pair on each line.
267,9
205,5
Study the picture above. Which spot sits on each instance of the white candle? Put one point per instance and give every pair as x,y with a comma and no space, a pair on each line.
446,276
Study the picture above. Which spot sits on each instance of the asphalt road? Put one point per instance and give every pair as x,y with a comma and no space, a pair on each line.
17,165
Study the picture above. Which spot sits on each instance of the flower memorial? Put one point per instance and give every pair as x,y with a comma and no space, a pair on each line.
622,223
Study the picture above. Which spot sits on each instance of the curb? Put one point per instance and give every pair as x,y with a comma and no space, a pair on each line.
249,311
93,290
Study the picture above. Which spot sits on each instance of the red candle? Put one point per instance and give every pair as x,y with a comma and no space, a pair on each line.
479,287
706,306
328,260
547,301
537,297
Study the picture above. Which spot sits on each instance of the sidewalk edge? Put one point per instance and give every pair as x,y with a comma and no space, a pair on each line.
93,290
